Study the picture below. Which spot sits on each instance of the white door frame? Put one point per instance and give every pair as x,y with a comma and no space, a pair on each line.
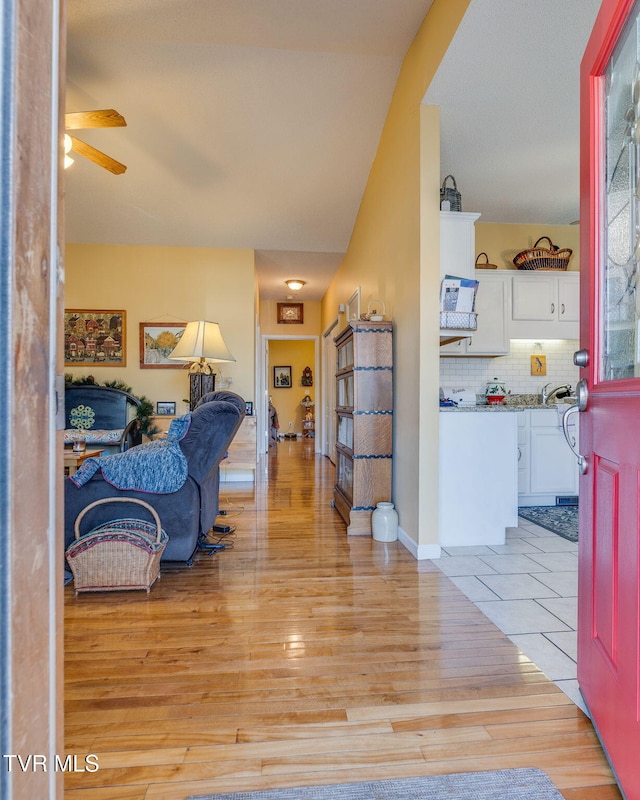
263,384
328,387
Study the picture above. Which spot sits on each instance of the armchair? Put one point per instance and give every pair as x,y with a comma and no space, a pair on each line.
189,512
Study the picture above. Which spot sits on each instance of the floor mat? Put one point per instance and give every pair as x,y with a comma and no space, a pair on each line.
562,520
504,784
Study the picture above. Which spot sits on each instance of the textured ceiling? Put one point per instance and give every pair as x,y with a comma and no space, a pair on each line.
508,91
251,123
254,123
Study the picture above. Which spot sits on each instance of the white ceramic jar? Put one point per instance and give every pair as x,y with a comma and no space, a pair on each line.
384,523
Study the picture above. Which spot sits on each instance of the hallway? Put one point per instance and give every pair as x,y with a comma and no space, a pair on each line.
301,656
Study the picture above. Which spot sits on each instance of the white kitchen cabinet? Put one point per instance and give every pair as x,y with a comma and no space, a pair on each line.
546,466
545,305
457,243
457,255
491,338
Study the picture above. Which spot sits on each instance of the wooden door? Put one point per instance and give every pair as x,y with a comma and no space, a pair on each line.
609,550
31,302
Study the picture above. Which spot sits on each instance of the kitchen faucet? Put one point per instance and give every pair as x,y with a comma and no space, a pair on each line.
545,396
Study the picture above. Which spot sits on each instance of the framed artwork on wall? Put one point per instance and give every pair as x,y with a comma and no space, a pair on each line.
291,313
94,338
157,340
165,408
282,377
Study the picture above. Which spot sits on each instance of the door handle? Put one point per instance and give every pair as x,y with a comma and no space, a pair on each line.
582,461
553,308
581,358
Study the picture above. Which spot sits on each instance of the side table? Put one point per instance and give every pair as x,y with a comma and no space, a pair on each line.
72,461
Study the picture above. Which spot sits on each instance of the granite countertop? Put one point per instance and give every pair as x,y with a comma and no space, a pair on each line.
513,402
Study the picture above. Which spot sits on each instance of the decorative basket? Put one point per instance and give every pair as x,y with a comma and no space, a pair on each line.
485,264
459,320
117,555
452,195
542,258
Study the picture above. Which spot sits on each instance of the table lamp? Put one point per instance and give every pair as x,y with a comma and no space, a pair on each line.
202,344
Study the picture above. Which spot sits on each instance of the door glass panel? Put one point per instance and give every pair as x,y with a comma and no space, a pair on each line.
619,308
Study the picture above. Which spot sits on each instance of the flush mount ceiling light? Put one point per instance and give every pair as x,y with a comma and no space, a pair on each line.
295,284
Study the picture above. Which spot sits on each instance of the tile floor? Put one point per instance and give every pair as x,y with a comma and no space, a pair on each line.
528,587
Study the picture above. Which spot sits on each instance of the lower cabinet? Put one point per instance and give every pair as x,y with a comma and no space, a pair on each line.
546,466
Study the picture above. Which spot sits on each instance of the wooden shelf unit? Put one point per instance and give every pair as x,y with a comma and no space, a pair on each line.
364,407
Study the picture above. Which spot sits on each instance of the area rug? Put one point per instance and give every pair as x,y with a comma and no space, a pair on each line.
504,784
562,520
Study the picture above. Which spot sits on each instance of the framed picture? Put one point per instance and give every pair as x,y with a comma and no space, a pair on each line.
291,313
282,377
157,340
94,338
249,408
165,409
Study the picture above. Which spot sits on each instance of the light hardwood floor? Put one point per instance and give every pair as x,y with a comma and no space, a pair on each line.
301,657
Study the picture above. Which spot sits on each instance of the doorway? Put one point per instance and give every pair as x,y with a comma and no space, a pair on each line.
290,378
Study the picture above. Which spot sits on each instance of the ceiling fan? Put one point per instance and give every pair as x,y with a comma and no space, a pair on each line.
79,120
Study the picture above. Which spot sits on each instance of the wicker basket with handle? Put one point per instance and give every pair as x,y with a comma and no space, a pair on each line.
451,195
484,264
117,555
543,258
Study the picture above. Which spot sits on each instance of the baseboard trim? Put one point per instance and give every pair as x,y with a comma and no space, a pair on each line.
421,552
237,476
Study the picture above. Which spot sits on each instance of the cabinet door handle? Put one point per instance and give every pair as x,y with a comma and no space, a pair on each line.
553,308
562,308
519,454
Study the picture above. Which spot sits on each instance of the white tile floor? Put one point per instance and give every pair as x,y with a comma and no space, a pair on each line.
528,588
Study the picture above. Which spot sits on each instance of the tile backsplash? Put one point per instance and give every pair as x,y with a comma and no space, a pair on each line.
514,369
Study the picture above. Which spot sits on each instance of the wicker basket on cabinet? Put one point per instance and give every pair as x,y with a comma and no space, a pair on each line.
543,258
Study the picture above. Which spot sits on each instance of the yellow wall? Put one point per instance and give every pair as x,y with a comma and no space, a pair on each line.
388,259
270,326
501,242
167,284
297,355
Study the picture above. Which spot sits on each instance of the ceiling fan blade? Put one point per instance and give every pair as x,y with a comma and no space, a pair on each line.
104,118
97,156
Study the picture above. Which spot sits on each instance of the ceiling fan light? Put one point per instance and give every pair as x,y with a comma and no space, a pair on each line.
68,144
295,284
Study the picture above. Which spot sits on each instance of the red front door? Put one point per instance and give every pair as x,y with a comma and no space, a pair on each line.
609,549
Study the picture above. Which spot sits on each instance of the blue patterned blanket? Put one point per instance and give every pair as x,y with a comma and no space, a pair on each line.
159,467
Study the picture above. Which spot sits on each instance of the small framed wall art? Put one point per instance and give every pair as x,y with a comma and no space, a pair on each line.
165,409
94,338
291,313
157,340
538,365
282,377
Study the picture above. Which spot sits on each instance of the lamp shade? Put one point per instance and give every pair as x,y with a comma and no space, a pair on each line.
201,341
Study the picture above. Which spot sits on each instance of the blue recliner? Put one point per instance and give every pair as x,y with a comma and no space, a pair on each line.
191,510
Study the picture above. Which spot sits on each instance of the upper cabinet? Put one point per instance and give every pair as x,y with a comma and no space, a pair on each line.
514,304
457,243
457,258
492,306
546,305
